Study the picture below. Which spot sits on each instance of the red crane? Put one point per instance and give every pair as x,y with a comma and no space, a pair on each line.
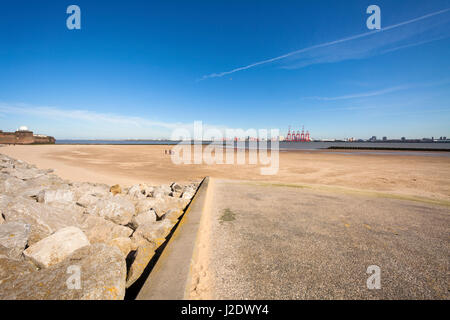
289,137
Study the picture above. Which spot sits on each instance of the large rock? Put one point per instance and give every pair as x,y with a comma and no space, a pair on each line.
12,186
102,274
161,205
115,189
57,247
58,195
137,192
176,187
123,244
155,232
142,257
99,230
86,189
24,172
161,191
11,270
117,209
148,216
188,192
173,215
14,238
43,218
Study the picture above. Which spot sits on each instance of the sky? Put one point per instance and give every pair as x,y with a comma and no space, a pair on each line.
142,69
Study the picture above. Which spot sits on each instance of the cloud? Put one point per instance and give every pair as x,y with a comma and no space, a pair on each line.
325,56
382,91
84,115
85,124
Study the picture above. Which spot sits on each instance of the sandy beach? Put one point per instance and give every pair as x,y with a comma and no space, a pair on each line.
397,173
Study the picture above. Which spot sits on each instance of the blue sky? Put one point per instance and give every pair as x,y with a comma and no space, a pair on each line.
140,69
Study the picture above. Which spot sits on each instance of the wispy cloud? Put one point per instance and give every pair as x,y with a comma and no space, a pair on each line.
381,91
363,94
83,115
329,58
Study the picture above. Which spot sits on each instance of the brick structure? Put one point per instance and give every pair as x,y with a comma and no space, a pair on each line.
24,137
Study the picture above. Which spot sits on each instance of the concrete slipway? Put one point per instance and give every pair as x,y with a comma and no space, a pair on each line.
281,241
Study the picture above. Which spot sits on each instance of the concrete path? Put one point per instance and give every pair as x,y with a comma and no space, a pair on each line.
281,242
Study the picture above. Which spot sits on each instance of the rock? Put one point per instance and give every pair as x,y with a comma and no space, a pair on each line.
176,187
87,200
155,232
97,190
142,257
173,215
59,195
175,194
11,270
100,230
188,193
118,209
147,190
102,274
148,216
1,217
161,191
115,189
25,173
57,247
123,244
43,218
14,238
12,185
136,192
161,205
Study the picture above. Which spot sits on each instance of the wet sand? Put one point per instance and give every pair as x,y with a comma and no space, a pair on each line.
403,174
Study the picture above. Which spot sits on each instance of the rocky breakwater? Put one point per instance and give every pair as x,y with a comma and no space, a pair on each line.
67,240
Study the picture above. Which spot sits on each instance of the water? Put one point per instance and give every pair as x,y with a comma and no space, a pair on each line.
282,145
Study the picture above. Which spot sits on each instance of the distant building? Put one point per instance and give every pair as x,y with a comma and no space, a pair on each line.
384,138
403,139
24,136
374,138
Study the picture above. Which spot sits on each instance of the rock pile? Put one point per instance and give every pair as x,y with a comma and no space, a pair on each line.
70,240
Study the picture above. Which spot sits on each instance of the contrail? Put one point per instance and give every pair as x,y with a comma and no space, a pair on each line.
326,44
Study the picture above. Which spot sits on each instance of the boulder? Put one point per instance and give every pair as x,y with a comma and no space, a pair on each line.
161,191
57,247
161,205
102,277
11,270
12,185
14,238
43,218
176,187
99,230
97,190
115,189
142,257
173,215
155,232
148,216
25,172
136,192
58,195
117,209
87,200
188,192
123,244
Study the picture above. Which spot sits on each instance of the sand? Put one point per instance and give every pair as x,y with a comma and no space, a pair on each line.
402,173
